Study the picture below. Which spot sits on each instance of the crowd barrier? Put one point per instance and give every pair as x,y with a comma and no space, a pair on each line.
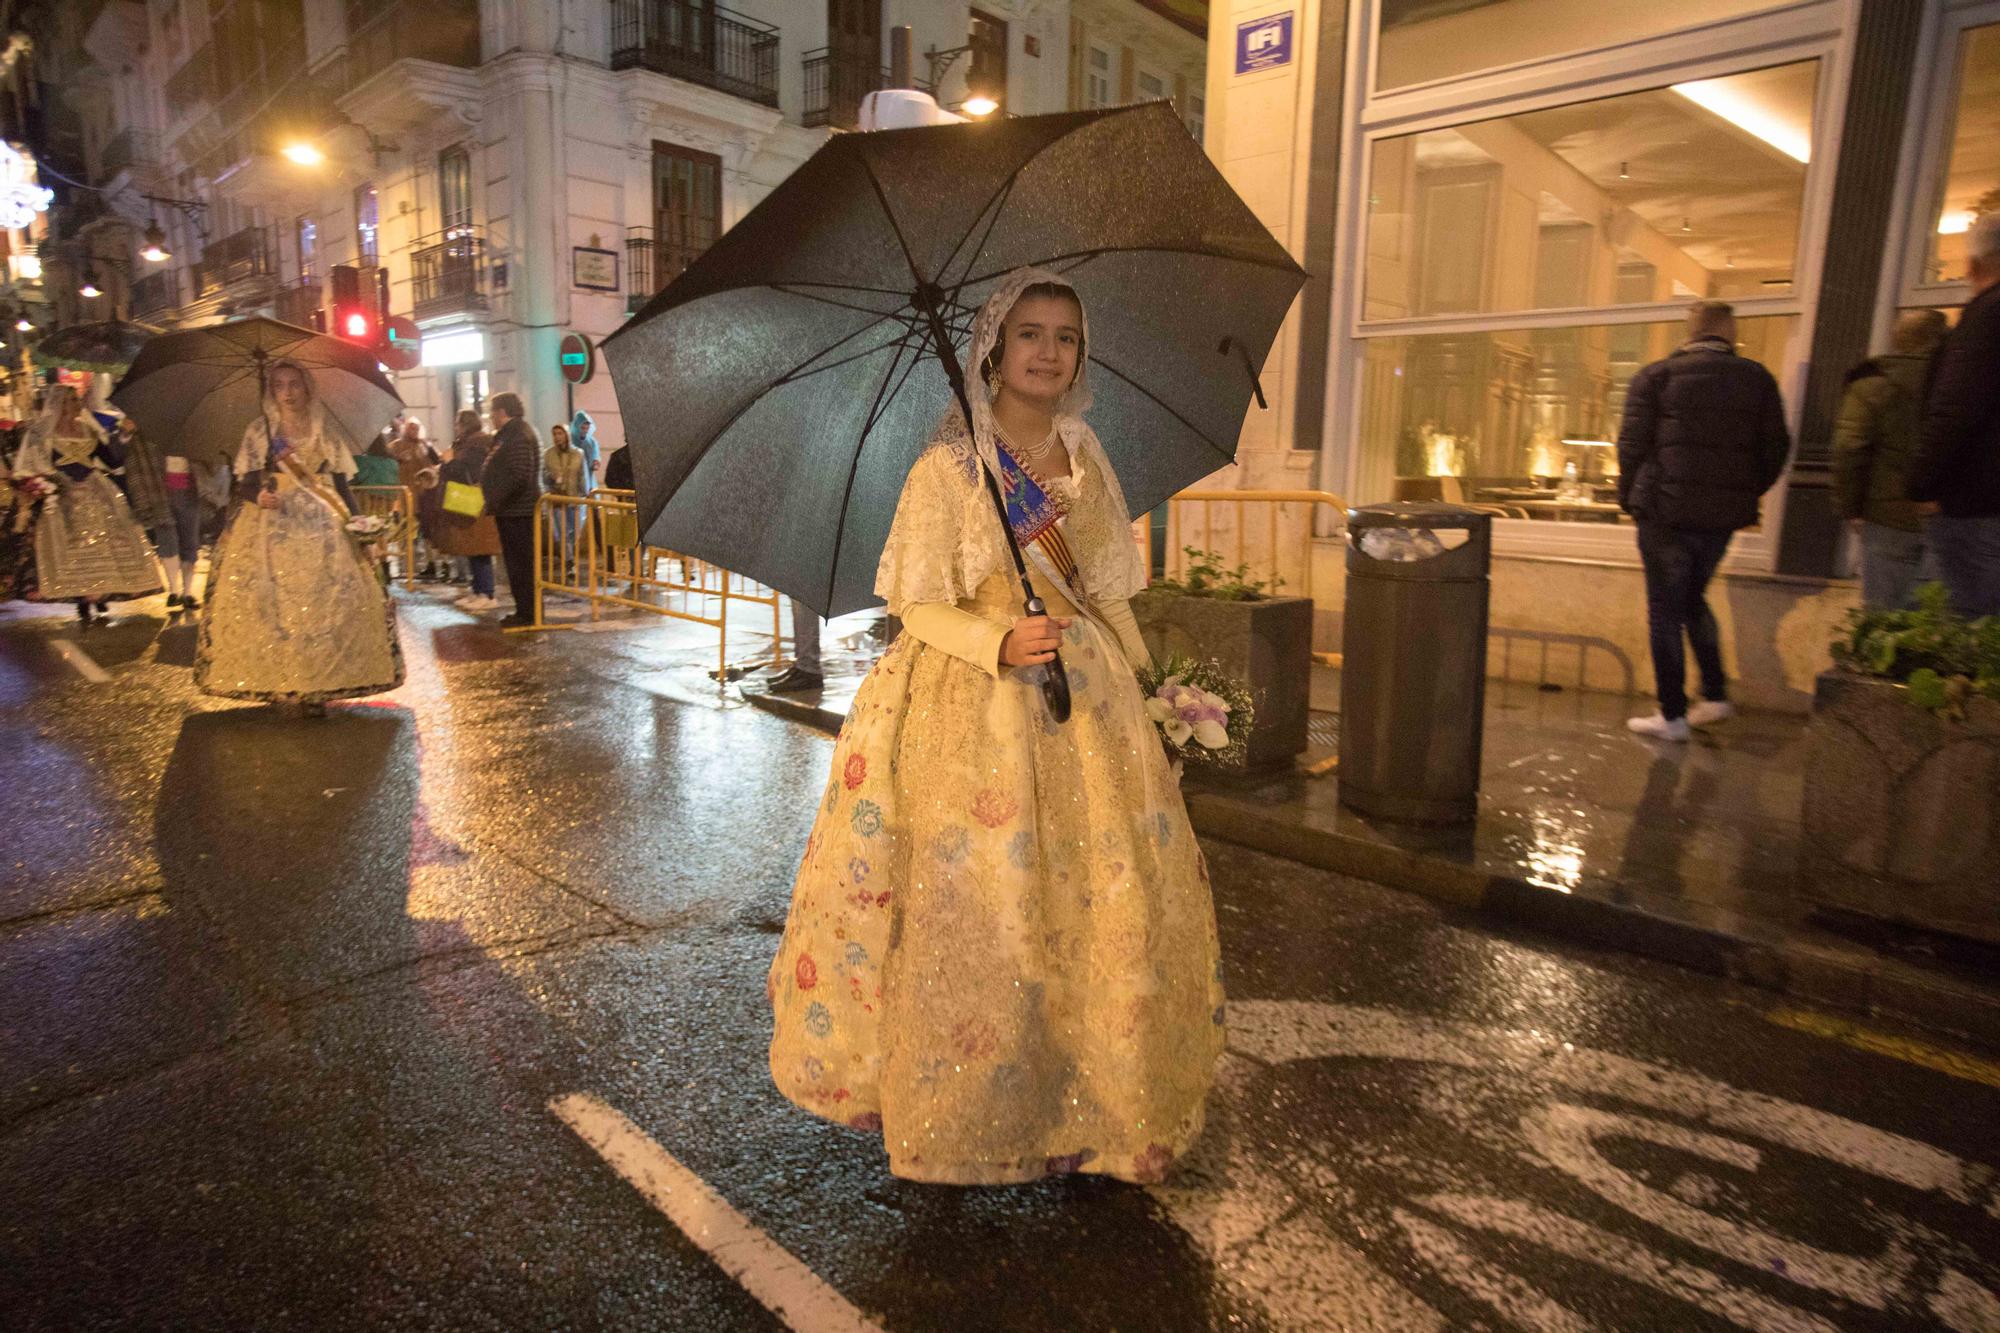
397,506
589,549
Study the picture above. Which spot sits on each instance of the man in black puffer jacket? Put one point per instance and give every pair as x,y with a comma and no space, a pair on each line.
1703,438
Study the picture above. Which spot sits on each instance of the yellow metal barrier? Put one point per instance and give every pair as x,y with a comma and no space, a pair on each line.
1271,504
585,547
395,504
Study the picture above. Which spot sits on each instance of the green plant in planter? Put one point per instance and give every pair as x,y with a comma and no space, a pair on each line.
1206,576
1942,657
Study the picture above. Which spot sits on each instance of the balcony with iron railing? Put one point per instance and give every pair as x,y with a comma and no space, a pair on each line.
126,150
445,32
241,257
701,43
301,303
835,84
448,274
155,292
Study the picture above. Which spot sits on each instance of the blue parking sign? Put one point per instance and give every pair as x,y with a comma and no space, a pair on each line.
1264,43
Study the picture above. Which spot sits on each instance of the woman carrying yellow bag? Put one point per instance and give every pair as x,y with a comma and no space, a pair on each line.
464,527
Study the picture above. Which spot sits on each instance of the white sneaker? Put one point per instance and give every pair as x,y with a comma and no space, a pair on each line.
1659,728
1707,714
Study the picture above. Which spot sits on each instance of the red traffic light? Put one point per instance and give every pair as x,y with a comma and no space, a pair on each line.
355,326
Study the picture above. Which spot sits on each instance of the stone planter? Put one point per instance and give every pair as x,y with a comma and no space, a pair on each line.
1902,808
1266,644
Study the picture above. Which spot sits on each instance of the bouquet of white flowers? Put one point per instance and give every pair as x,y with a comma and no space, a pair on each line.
1204,717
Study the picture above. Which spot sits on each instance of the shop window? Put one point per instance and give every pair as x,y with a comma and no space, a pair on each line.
1971,184
1424,40
1519,422
1699,185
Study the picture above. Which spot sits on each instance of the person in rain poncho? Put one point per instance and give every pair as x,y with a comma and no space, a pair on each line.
1001,951
88,547
296,611
583,434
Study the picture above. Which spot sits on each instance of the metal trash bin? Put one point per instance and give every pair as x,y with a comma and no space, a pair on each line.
1413,673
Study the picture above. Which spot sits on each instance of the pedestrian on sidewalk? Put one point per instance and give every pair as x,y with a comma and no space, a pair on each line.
583,434
1703,438
563,473
417,469
296,610
1001,952
1957,466
1873,440
474,539
805,673
513,484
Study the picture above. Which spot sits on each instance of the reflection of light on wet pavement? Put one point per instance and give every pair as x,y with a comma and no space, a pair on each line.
1555,859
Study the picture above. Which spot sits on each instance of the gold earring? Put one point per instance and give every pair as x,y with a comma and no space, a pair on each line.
993,379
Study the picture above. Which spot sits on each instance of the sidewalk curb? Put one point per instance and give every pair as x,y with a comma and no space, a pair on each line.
1835,974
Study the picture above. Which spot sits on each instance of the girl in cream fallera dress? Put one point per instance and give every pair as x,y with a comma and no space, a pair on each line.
295,609
1001,952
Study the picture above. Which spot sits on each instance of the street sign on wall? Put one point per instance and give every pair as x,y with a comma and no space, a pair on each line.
1264,43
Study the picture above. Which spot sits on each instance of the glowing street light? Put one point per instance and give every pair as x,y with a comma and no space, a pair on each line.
90,290
304,154
156,251
980,105
24,325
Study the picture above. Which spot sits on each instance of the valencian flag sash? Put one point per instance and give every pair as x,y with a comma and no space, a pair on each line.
1032,513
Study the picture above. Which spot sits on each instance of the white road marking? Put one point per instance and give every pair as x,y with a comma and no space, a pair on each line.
82,661
782,1284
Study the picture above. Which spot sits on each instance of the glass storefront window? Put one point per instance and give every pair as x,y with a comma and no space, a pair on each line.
1423,40
1693,190
1972,171
1521,422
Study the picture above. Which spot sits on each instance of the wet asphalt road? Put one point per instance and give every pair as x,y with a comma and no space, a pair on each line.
284,1004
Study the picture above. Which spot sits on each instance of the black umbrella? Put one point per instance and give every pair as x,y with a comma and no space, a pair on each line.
777,392
194,391
107,345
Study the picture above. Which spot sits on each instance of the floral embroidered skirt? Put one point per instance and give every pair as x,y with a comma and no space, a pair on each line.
295,610
1001,951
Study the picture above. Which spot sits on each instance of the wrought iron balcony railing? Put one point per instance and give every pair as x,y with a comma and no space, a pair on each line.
835,84
445,32
238,257
701,43
448,274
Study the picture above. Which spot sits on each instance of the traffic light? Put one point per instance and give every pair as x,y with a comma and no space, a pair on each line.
354,316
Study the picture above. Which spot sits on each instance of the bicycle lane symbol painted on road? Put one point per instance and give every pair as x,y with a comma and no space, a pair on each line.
1758,1211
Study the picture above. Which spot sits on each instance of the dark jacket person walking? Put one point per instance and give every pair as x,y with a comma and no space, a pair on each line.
1958,454
1703,438
513,484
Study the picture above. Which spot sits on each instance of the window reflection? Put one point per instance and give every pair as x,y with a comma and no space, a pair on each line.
1689,191
1972,171
1519,422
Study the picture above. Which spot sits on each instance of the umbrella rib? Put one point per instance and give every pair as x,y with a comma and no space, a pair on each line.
1228,455
800,374
994,208
1082,257
882,197
790,290
883,396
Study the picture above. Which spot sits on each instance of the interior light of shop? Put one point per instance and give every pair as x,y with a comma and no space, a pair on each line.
1956,223
1731,103
156,251
980,105
454,349
305,154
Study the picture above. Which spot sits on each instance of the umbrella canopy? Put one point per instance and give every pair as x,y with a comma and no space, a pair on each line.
197,389
108,345
777,392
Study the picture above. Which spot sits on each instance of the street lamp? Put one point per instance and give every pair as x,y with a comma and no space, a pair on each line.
303,153
90,291
155,251
980,105
24,325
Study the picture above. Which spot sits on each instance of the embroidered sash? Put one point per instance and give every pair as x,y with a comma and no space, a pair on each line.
1033,514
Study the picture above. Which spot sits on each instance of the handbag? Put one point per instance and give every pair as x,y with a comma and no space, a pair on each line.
464,499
